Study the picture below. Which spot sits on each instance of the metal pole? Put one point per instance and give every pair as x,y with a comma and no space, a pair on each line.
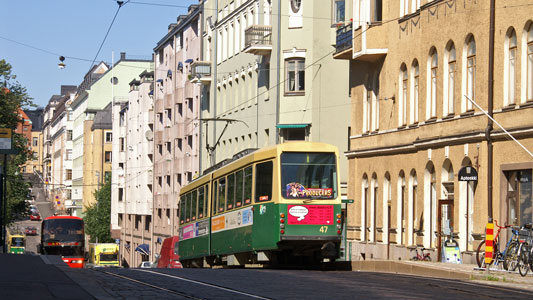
2,171
488,130
4,220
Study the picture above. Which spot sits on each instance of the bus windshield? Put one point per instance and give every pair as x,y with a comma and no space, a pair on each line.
60,230
17,242
109,257
308,175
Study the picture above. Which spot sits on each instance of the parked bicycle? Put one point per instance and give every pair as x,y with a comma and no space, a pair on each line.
422,256
509,257
525,262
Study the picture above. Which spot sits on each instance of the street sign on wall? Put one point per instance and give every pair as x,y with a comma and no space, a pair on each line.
467,174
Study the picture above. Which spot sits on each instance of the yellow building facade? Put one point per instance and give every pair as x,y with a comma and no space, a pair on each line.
413,70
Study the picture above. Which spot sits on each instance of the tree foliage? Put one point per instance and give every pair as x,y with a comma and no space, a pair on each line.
13,96
98,216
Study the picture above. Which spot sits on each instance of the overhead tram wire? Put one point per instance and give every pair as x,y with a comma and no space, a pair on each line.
120,4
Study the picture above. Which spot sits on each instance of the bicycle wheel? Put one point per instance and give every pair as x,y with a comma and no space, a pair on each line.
510,261
480,254
523,261
427,258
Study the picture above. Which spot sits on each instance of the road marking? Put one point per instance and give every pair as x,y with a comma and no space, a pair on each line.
205,284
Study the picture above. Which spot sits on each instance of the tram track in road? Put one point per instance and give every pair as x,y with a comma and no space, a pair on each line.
223,289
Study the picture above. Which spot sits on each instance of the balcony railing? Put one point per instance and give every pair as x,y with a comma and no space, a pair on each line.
201,70
258,39
344,39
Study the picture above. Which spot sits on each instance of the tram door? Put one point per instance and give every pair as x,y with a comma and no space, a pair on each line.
445,223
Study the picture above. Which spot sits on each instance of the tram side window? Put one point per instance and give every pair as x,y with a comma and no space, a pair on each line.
239,188
201,202
215,197
194,204
189,208
263,181
182,209
248,185
221,194
231,191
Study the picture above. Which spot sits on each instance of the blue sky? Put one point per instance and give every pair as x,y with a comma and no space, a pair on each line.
76,28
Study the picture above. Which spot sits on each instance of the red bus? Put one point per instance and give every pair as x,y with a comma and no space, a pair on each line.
64,236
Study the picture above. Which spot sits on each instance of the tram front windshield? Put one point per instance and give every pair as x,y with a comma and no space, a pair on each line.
308,175
17,242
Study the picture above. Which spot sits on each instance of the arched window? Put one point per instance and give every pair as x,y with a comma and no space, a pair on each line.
401,212
449,81
415,75
374,208
414,217
529,83
471,72
364,208
386,210
510,66
402,108
431,102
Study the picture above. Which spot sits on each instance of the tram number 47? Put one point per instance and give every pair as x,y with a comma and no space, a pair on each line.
323,229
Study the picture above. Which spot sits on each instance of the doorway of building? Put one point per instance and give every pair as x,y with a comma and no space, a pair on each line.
445,223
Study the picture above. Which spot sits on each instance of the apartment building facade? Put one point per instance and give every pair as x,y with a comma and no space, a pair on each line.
34,163
101,86
176,124
131,210
421,149
271,79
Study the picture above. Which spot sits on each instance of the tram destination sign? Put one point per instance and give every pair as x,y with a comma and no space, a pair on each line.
467,174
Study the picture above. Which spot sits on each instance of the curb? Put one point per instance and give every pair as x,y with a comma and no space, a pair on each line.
408,268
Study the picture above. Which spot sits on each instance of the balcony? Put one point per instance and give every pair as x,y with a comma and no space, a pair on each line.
343,42
369,42
201,72
258,40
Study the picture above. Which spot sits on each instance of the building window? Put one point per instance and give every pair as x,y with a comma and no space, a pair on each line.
108,137
375,103
69,174
529,83
68,154
431,103
122,144
518,197
367,101
69,135
107,176
471,73
107,156
35,141
450,81
402,113
295,81
294,134
120,194
338,11
415,73
511,67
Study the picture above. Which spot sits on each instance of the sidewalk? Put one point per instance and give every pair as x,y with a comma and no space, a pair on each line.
447,271
36,277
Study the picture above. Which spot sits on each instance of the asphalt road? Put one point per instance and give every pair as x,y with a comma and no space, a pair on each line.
278,284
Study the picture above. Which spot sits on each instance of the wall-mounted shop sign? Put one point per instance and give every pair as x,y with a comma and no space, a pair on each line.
467,174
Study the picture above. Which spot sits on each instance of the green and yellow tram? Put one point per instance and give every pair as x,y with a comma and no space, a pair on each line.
273,205
16,243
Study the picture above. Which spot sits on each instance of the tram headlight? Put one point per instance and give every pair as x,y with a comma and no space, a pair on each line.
281,226
338,226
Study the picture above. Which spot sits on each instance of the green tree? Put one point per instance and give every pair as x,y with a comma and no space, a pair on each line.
13,96
98,216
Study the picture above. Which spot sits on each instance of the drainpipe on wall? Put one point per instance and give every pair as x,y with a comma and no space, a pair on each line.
488,130
213,83
278,74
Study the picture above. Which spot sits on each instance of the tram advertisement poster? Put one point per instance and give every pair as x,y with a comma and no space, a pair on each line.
233,219
310,214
